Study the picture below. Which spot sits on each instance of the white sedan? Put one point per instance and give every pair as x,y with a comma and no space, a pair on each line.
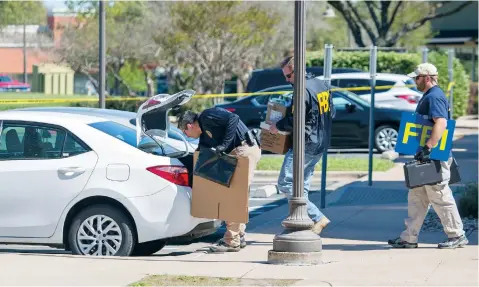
83,183
392,89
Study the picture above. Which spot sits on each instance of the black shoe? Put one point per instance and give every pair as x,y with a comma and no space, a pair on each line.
453,243
399,243
222,246
242,242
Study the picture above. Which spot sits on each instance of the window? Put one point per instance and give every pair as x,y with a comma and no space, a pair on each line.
382,83
411,84
128,136
262,99
21,141
117,130
354,83
340,103
72,147
5,79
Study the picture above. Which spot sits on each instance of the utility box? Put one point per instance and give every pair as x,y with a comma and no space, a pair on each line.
51,79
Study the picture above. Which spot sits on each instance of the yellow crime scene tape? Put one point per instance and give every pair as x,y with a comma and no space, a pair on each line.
205,96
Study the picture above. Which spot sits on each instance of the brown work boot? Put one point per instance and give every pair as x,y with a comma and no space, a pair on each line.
320,225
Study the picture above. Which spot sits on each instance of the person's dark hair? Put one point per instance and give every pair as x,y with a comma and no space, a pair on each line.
288,61
187,117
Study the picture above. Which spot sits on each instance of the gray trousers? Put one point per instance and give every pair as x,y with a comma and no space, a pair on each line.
441,198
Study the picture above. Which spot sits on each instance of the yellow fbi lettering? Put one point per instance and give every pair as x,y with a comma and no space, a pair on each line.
425,134
323,99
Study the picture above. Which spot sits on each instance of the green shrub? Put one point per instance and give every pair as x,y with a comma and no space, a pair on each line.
460,77
468,202
403,63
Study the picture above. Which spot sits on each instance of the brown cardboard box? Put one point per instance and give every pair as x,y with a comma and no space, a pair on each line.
278,143
215,201
275,112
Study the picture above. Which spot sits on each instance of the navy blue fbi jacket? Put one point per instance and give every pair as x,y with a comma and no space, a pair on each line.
319,114
221,130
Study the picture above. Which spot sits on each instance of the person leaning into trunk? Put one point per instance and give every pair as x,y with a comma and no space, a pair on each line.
435,107
319,113
223,131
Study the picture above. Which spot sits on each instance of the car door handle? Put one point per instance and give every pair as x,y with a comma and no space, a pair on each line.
71,170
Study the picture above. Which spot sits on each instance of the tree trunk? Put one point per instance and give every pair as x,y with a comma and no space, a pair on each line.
149,82
127,87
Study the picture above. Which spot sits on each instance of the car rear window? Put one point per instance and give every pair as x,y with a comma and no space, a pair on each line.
128,135
117,130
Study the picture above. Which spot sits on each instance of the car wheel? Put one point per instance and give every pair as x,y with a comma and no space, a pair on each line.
148,248
101,230
385,138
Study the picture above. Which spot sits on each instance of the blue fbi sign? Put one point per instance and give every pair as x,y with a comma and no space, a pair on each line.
414,131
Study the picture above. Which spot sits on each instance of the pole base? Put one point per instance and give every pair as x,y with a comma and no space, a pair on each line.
296,247
294,258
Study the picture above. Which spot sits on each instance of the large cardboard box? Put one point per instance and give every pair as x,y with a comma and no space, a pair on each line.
215,201
275,112
278,143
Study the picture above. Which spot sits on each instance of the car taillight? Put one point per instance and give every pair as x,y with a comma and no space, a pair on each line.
410,99
230,109
175,174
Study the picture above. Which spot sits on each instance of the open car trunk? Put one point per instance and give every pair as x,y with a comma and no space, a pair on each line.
152,126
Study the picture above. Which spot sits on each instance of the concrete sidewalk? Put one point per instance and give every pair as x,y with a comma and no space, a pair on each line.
354,253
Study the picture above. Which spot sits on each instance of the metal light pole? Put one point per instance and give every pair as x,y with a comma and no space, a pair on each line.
327,70
102,56
372,72
25,77
424,54
450,69
297,244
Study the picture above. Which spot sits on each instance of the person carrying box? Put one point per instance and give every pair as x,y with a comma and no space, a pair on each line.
319,113
224,132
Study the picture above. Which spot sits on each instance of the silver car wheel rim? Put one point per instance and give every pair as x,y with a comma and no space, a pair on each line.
386,139
99,235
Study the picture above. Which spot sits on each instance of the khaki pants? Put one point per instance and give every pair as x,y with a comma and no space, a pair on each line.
236,230
441,198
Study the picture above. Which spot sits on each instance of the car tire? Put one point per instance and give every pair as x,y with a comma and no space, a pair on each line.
118,240
148,248
385,138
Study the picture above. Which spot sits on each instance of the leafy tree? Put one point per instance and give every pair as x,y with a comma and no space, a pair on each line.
390,21
22,12
127,40
215,38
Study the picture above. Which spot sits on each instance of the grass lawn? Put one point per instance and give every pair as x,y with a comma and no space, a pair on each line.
334,164
181,280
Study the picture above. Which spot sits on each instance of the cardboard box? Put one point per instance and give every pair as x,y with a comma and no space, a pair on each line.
278,143
215,201
275,112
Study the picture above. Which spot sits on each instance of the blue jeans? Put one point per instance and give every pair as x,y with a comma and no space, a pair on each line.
285,180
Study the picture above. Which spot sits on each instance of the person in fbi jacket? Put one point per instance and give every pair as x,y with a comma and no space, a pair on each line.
435,106
223,131
319,114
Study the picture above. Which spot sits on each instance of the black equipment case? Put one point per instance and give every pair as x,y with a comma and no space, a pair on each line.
418,173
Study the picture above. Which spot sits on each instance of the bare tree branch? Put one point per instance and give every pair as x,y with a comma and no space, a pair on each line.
369,5
411,27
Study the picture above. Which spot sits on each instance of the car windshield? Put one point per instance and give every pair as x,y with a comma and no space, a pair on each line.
128,135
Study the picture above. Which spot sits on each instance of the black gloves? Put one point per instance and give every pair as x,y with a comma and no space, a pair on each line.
423,154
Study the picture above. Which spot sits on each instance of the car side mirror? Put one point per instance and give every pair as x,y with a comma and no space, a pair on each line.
351,108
